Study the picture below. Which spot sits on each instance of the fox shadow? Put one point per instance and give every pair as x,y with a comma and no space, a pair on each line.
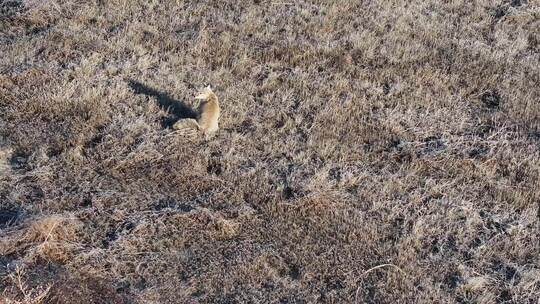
177,108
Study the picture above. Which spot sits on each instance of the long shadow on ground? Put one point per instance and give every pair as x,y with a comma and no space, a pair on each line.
173,106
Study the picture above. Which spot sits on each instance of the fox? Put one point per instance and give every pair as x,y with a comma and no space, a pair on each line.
208,114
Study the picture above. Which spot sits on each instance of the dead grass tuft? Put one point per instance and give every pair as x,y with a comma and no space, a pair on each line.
26,294
52,238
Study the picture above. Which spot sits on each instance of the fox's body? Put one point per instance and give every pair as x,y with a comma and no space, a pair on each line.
207,116
209,112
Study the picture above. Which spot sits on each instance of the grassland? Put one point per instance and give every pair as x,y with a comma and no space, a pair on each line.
369,152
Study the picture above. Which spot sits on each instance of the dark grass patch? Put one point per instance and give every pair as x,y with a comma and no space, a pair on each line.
177,108
491,100
10,7
9,216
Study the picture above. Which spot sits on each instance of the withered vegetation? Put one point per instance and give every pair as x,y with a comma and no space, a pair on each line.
368,152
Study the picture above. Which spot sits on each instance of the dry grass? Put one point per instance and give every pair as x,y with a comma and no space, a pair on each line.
354,134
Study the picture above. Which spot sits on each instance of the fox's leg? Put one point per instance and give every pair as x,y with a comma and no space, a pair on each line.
209,134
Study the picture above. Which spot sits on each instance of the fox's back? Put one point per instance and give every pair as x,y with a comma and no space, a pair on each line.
209,115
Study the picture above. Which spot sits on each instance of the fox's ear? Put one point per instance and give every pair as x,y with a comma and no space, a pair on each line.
204,93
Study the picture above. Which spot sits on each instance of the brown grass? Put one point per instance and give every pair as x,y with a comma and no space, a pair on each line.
354,134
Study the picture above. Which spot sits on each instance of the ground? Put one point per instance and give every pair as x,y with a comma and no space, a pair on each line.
369,152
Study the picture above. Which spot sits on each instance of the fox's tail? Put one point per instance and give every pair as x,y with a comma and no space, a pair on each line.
186,127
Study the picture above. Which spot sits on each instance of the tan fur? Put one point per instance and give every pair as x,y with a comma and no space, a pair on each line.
207,116
209,112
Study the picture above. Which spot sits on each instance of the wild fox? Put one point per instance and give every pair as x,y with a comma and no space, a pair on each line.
208,115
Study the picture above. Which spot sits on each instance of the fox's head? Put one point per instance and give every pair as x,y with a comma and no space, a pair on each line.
205,93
